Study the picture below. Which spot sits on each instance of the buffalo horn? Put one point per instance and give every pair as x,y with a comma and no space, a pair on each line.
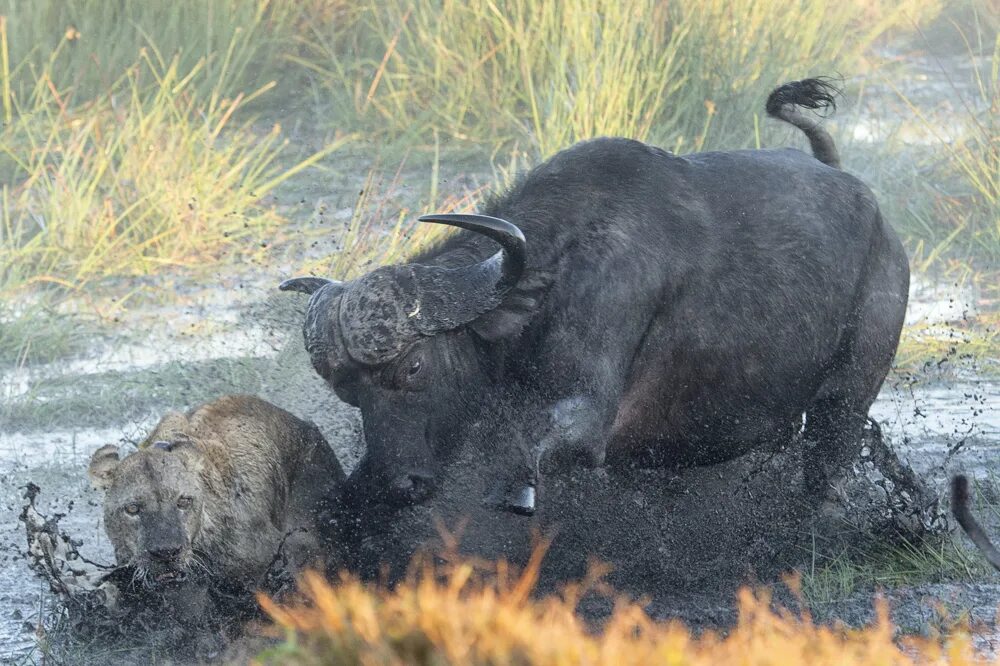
305,285
513,255
452,297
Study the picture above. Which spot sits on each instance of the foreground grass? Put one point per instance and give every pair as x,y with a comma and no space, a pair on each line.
468,613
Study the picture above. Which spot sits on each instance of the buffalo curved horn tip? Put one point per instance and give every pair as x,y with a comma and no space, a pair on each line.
507,235
484,224
304,285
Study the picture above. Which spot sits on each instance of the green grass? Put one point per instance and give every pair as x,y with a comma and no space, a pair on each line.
737,51
544,75
88,44
100,399
152,175
937,559
957,215
40,334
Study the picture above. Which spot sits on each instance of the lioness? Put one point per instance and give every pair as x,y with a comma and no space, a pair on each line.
218,490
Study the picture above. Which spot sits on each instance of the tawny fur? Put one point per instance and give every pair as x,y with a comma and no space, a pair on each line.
256,471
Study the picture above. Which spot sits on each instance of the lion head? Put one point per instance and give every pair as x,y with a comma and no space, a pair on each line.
153,507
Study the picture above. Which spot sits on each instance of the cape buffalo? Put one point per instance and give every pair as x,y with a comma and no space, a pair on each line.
643,307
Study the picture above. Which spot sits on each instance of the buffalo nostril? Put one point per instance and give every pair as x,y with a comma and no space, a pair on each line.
166,553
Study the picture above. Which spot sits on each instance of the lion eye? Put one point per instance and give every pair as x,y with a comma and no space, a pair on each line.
132,509
184,502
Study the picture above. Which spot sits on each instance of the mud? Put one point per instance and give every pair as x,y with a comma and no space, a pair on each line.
684,539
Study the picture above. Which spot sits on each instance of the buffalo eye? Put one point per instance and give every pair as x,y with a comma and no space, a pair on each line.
184,502
407,372
132,509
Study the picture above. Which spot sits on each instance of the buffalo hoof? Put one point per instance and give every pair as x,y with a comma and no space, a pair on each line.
520,501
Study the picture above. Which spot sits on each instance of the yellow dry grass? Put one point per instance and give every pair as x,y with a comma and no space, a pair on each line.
472,614
955,344
149,175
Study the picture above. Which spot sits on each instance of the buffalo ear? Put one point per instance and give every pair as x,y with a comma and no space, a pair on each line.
519,305
102,467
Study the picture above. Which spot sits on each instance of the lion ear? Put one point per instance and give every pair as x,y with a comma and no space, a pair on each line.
186,447
102,467
172,426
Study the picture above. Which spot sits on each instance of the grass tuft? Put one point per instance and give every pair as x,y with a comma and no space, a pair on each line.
468,613
39,334
149,175
933,561
546,75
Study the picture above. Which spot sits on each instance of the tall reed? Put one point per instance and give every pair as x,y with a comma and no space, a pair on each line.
150,174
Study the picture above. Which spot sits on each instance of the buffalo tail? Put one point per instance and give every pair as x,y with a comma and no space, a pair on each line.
785,101
960,508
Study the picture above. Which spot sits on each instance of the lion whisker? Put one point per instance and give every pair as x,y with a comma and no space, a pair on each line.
201,561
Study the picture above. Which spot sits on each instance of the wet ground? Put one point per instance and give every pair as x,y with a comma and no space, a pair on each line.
940,423
238,335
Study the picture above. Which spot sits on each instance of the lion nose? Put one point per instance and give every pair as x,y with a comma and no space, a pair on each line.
165,553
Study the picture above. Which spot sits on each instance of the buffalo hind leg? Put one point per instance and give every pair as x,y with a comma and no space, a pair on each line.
836,419
833,441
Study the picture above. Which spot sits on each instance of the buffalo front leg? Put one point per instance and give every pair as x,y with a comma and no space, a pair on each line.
575,433
568,433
